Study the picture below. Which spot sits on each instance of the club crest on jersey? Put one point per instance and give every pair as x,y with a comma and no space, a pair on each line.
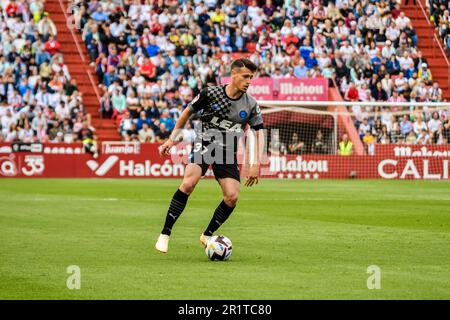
243,114
215,107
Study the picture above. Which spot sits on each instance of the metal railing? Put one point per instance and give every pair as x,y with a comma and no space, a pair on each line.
80,52
436,41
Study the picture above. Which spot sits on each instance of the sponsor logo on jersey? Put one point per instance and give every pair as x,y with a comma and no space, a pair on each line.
227,124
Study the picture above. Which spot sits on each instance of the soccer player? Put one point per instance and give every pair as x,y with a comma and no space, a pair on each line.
224,112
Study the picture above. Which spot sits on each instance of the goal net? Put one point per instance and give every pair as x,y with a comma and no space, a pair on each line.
300,130
350,140
318,127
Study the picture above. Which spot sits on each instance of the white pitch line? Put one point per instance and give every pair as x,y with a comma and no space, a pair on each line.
209,199
72,199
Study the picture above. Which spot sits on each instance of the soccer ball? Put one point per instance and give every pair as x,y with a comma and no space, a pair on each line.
219,248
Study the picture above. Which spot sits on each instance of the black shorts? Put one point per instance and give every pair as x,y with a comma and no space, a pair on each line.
221,170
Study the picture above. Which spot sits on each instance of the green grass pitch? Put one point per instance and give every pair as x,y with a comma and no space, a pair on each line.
291,240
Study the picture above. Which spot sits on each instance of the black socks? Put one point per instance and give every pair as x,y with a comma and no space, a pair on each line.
223,211
176,207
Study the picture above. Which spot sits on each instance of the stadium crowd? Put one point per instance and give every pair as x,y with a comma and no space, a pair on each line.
439,14
152,57
39,101
420,126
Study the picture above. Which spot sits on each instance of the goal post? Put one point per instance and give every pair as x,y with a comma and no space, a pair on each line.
301,125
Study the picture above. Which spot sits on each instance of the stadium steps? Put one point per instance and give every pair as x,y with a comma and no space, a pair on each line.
429,46
345,122
79,68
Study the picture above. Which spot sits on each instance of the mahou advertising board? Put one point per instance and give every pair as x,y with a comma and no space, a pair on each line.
135,160
315,89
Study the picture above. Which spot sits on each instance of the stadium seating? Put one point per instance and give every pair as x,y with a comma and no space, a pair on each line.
155,49
39,100
440,16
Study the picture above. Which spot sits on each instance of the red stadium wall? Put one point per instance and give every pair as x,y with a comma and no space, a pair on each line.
123,160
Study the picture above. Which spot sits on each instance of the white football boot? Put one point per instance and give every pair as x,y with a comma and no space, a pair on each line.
162,245
204,240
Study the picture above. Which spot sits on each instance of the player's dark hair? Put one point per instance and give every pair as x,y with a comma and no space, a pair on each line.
244,62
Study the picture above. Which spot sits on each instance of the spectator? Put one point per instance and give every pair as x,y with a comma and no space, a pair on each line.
277,148
411,138
402,21
162,134
175,69
88,139
345,146
71,87
148,70
423,137
393,65
106,109
434,123
419,125
99,15
378,93
118,103
306,48
363,127
352,93
52,46
369,143
168,122
300,70
319,145
188,133
424,74
295,146
384,136
126,123
435,93
396,135
46,27
400,83
146,134
142,120
419,60
131,134
405,126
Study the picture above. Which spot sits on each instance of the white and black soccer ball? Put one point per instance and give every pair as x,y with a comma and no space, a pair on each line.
219,248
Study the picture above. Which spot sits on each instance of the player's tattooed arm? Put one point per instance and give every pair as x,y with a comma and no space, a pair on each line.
177,133
196,105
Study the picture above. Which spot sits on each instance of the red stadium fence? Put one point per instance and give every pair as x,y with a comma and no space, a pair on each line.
135,160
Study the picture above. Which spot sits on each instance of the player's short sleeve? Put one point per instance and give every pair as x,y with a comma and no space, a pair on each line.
256,120
199,102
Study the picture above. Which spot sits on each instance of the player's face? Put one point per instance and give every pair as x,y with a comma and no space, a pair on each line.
241,78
